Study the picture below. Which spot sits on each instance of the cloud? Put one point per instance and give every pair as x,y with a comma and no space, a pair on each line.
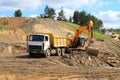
110,18
2,16
19,4
112,25
68,12
33,15
68,3
35,4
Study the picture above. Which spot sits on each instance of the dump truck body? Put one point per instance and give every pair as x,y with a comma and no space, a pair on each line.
57,41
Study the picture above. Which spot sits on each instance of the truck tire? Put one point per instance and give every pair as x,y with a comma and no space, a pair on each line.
58,52
63,51
31,55
47,53
74,51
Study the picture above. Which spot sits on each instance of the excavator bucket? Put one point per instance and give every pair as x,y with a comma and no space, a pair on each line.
92,51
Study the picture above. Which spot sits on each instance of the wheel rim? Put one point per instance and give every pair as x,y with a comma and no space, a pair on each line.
59,52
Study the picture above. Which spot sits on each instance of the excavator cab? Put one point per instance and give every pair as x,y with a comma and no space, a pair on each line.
81,42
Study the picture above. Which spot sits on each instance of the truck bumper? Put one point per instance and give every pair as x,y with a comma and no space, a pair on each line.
36,51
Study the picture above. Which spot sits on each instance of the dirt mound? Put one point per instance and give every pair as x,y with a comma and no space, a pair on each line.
83,60
12,21
108,56
12,35
46,25
12,48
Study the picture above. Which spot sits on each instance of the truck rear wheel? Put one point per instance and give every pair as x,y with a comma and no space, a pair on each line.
74,51
63,51
58,52
47,53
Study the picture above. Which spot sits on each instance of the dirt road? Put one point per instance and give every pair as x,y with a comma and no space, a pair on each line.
21,67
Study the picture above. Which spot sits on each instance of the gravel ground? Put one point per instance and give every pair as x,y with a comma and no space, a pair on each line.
21,67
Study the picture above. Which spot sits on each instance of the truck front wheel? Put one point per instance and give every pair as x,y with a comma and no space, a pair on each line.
31,54
47,53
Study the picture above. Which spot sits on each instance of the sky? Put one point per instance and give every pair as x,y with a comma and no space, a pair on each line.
106,10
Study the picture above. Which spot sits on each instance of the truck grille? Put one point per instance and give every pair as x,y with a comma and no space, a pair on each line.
35,47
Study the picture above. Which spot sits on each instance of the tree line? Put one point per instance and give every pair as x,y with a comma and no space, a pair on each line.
82,18
79,17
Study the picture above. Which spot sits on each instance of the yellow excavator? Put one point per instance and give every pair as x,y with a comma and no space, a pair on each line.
77,42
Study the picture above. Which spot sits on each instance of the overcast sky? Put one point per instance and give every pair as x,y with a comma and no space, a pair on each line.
106,10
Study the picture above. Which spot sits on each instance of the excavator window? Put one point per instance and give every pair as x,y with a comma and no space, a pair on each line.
81,41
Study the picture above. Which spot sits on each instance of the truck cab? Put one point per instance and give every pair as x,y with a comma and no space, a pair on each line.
37,43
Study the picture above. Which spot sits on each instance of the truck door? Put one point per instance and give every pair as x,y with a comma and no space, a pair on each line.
47,43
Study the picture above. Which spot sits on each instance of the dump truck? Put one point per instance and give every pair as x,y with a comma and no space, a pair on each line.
46,43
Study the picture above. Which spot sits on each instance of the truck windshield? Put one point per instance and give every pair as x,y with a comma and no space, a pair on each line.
36,38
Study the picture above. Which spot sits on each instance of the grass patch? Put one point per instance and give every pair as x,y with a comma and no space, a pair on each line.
2,26
118,32
96,34
72,25
27,31
99,35
7,27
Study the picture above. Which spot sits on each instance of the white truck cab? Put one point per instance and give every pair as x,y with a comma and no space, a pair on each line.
37,43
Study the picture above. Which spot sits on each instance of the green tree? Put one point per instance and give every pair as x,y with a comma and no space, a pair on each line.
76,17
82,18
103,31
18,13
49,12
46,11
111,29
41,16
61,15
70,19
